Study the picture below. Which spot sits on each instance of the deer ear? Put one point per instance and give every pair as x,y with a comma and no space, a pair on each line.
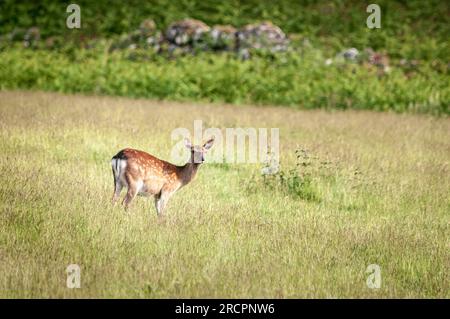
187,143
208,144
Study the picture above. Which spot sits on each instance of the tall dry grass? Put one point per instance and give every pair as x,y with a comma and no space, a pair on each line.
383,199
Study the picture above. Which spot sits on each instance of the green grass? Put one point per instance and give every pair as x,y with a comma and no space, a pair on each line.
381,196
292,79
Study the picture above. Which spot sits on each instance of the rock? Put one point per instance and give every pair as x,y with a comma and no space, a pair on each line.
53,42
409,64
328,61
32,34
32,37
126,41
244,54
351,54
145,37
174,50
380,60
263,35
223,37
190,35
409,67
186,32
375,58
147,28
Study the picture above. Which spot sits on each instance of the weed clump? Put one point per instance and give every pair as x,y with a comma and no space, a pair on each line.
300,181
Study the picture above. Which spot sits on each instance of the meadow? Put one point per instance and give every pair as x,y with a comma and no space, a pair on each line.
356,188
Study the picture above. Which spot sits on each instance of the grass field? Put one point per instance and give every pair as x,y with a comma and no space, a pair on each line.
378,185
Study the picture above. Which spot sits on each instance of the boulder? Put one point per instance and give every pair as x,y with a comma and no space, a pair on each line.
53,42
145,37
32,37
223,37
186,32
147,28
263,35
380,60
351,54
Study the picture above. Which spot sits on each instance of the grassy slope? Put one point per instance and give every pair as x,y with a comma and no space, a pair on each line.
219,239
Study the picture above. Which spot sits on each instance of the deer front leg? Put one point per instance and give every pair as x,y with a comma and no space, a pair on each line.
131,194
161,201
158,203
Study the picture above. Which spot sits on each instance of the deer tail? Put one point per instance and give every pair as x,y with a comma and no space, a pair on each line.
118,163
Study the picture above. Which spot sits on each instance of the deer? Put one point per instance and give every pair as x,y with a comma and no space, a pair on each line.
146,175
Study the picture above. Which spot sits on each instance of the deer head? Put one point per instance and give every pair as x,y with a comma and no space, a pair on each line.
197,151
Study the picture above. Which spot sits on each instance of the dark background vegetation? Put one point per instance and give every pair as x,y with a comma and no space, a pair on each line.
411,31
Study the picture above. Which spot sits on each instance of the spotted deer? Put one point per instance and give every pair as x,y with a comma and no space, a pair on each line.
144,174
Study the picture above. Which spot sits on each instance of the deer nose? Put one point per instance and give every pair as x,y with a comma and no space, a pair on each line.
198,158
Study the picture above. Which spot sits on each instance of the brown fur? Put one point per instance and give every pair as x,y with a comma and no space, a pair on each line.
148,175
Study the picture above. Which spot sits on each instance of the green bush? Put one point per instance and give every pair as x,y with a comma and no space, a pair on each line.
288,79
300,182
65,60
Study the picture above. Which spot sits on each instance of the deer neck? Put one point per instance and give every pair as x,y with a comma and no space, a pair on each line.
188,172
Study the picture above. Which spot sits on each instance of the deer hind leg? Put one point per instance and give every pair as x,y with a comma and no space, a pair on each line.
131,193
118,185
117,189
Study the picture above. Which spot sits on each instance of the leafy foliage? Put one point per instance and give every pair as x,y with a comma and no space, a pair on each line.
335,23
414,35
286,79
